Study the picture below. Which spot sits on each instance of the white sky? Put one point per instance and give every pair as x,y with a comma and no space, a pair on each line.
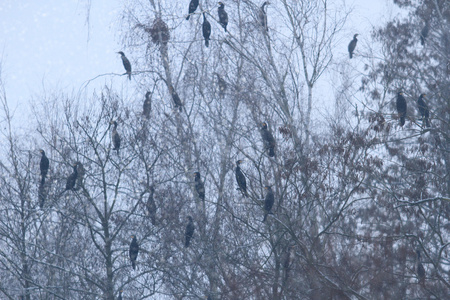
46,44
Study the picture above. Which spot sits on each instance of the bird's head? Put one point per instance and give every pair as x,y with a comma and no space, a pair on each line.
42,151
239,162
356,34
267,187
264,125
423,95
189,218
133,236
197,174
400,93
147,95
113,123
121,53
221,4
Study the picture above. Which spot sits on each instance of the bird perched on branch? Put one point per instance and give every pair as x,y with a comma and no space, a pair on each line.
115,136
206,28
424,110
151,206
401,107
424,32
263,16
147,107
420,269
199,186
240,178
134,251
71,180
352,45
222,85
268,201
269,141
176,99
192,7
223,16
190,228
44,166
126,64
120,295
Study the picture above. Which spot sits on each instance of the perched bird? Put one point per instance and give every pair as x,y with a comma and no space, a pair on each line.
424,110
192,7
189,232
420,269
223,16
147,107
263,16
44,165
120,295
268,202
352,45
81,172
222,85
176,99
401,108
199,186
424,32
240,178
151,206
115,136
71,180
126,64
134,251
206,27
269,141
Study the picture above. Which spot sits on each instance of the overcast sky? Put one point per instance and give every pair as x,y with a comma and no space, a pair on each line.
47,44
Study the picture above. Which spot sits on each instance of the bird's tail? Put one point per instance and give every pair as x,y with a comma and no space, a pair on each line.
41,195
129,76
207,43
402,120
422,40
265,216
350,54
186,243
271,152
133,264
187,18
427,122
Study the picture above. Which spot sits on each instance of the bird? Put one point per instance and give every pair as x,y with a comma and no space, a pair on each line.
420,269
71,180
126,64
176,99
147,107
190,228
269,141
81,172
263,16
424,32
44,165
206,28
134,251
352,45
268,201
424,110
240,178
199,186
115,136
222,85
401,107
120,295
223,16
192,7
151,206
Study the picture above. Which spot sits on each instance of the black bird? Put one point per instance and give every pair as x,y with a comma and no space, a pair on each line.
190,228
206,27
240,178
151,206
401,108
199,186
263,16
420,269
115,136
424,110
147,107
176,99
71,180
192,7
44,165
222,85
352,45
134,251
269,141
268,202
223,16
120,295
81,172
126,64
424,32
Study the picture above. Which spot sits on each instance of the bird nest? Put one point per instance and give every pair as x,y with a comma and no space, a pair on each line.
159,32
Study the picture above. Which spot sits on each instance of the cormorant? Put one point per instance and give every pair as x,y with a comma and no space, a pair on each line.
80,171
424,110
115,136
352,45
147,107
268,202
189,232
151,206
192,7
199,186
120,295
240,178
269,141
44,165
263,16
71,180
424,32
420,269
401,108
206,27
223,16
134,251
126,64
222,85
176,99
